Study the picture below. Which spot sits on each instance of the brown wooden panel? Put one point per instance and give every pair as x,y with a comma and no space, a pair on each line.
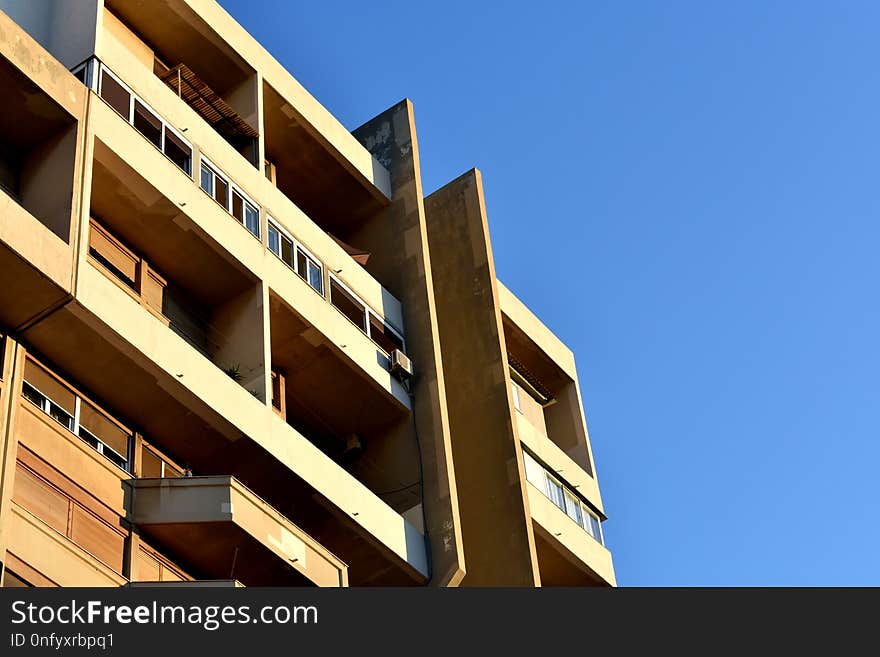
97,537
102,427
111,250
153,292
148,569
48,384
40,498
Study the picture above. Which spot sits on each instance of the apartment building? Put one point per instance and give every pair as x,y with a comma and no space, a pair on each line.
240,345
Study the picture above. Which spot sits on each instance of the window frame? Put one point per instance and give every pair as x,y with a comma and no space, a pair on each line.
75,427
215,171
99,87
235,189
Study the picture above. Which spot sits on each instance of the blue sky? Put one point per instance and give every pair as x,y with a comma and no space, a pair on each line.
686,193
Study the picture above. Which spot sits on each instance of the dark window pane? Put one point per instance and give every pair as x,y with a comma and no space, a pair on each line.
115,95
221,191
177,151
32,395
287,251
384,336
147,123
348,305
238,207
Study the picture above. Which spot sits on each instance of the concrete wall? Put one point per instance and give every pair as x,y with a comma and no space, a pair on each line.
496,527
391,138
238,328
47,182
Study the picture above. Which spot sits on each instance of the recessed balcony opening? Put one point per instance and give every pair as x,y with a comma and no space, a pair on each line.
558,566
185,53
545,395
152,250
347,415
37,151
320,181
183,430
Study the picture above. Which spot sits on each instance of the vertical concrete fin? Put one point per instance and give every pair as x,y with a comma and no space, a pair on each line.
485,443
391,138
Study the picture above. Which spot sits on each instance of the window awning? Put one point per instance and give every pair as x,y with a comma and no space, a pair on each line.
204,100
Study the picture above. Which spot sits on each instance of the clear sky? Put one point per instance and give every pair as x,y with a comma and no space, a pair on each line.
687,194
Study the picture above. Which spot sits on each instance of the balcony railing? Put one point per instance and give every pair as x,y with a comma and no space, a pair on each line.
563,497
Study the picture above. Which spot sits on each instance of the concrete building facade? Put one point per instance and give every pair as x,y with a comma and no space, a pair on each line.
239,346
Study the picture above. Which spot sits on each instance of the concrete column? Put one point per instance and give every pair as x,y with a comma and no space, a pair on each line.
405,266
13,373
496,526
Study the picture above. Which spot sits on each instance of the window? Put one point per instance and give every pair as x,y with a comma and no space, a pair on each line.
310,270
281,245
348,304
177,150
147,123
573,508
116,95
554,492
383,335
77,415
154,466
215,185
562,496
246,212
145,120
594,527
514,388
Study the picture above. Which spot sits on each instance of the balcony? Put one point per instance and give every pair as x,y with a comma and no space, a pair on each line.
195,412
219,524
313,174
567,555
180,49
39,144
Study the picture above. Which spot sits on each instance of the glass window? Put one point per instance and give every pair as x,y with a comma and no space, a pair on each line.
313,274
116,95
238,206
111,435
514,388
33,395
273,240
206,180
593,527
383,335
573,508
347,304
252,219
534,472
554,492
221,191
246,213
178,151
147,123
151,464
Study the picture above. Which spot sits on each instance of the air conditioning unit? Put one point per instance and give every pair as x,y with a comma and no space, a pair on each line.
401,366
